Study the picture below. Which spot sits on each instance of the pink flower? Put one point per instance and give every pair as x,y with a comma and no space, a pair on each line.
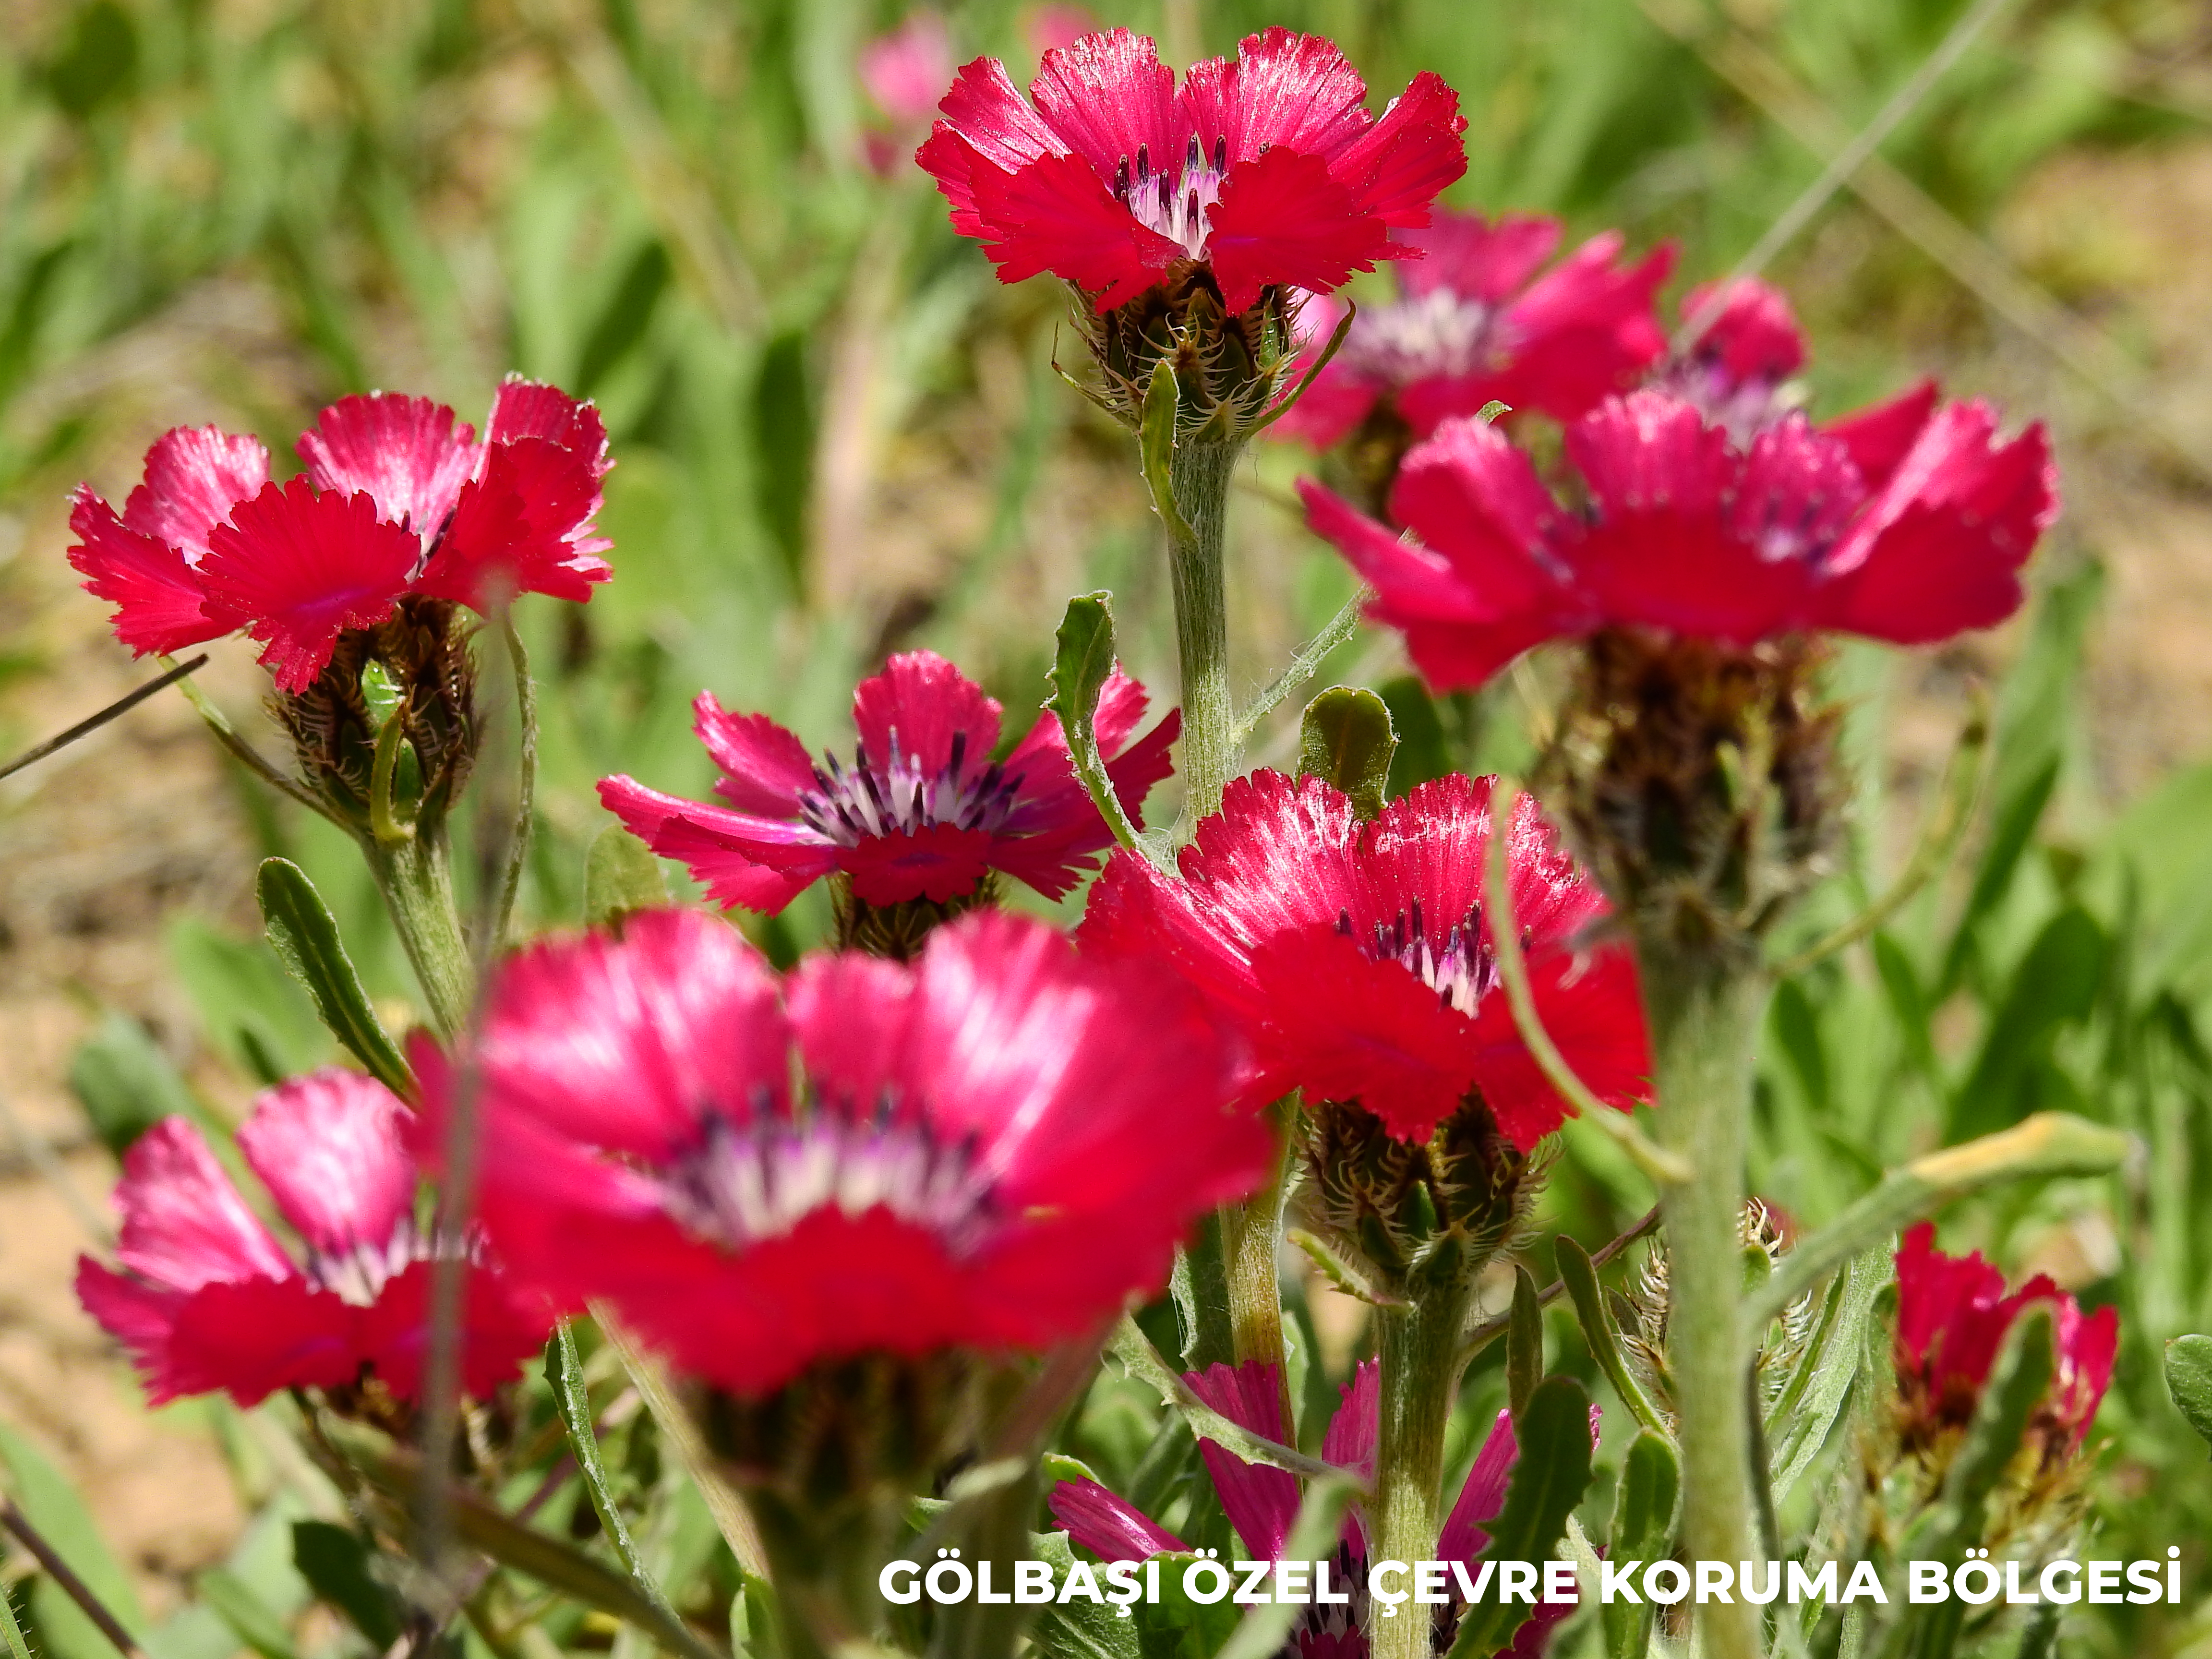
1908,524
868,1156
1268,170
1952,1316
1357,959
1262,1502
1737,367
923,811
906,70
1474,321
397,500
209,1299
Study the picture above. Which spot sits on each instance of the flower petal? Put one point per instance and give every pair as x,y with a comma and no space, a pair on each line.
919,705
503,1327
254,1336
1107,1526
184,1224
194,476
1261,1501
762,863
160,603
329,1148
404,452
1109,96
1284,91
989,126
1282,220
300,567
765,768
1395,169
1465,254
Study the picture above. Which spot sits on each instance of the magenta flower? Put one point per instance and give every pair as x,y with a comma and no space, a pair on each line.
1263,1504
207,1299
397,500
1952,1316
867,1156
1737,367
1909,524
922,812
1268,170
1355,958
1474,321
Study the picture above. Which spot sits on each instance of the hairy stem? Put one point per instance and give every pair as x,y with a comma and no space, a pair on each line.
1703,1008
1199,475
1251,1232
417,879
1419,1347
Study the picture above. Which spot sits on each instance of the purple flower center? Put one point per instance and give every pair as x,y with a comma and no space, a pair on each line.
1744,407
1452,964
747,1182
900,799
1437,333
1174,203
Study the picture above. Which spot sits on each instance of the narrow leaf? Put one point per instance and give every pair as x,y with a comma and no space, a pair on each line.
1580,1277
564,1375
1524,1343
1553,1473
1345,738
305,936
1157,439
1642,1523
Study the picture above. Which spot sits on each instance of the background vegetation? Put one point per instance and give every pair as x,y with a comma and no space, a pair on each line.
839,436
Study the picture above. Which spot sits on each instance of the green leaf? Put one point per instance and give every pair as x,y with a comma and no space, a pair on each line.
2188,1380
564,1376
1157,439
2055,986
305,937
256,1623
1549,1479
1642,1523
52,1506
621,874
1083,659
783,421
1346,739
253,1014
1422,754
1577,1274
1525,1342
126,1083
1177,1627
335,1562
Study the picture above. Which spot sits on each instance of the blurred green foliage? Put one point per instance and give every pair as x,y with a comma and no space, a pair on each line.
664,204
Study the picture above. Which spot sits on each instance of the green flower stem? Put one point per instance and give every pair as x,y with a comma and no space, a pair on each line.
1418,1345
417,879
1705,1006
1198,475
1250,1232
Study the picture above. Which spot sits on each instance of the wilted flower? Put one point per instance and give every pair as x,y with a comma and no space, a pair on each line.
209,1300
1266,170
1357,958
1910,536
867,1158
1952,1314
397,502
924,813
1474,321
1263,1504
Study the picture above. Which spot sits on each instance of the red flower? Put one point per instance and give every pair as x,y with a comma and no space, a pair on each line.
1262,1502
1952,1316
923,811
397,500
1474,322
973,1156
1357,958
1908,524
209,1299
1268,169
